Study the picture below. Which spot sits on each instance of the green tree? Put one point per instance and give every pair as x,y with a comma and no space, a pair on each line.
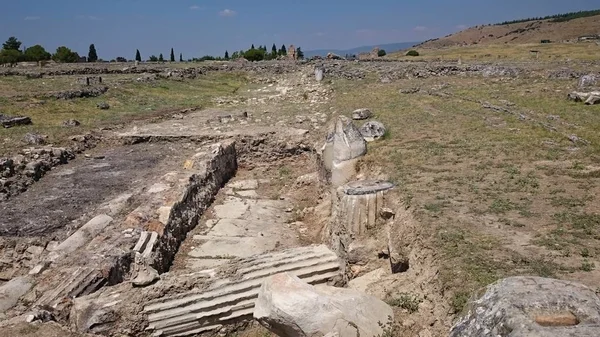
92,55
299,53
254,55
65,55
153,58
412,53
235,55
10,56
36,53
381,53
252,46
138,56
172,58
282,50
11,44
180,57
160,58
274,51
226,55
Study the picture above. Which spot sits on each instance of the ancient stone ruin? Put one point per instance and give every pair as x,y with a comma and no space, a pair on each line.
372,55
291,52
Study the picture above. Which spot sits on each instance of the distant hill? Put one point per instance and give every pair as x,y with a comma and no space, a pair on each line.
555,28
390,47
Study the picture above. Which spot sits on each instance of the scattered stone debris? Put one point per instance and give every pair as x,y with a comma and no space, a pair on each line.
34,138
103,106
362,113
532,306
33,76
290,307
10,121
71,123
578,140
89,80
589,98
82,93
413,90
145,276
147,78
11,291
589,80
372,130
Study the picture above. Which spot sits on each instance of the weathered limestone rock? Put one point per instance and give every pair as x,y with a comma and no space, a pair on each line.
582,96
225,295
290,307
372,130
82,236
103,106
360,204
593,99
145,276
360,114
71,123
588,80
533,307
319,73
34,138
347,147
10,121
12,291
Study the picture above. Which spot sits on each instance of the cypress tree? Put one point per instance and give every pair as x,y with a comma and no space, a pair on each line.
138,56
172,56
92,55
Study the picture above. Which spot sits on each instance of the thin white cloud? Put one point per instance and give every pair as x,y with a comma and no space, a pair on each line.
195,7
32,18
88,17
320,34
420,28
462,27
227,12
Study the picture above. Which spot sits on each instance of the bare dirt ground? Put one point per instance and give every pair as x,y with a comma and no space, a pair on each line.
489,180
62,202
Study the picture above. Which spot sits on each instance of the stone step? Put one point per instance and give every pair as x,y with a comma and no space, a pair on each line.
231,301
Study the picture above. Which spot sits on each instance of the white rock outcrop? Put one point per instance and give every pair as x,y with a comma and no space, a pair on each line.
290,307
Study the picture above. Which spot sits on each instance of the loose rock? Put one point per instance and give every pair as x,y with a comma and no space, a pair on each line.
588,81
372,130
10,121
146,276
532,306
71,123
34,138
12,291
288,306
360,114
103,106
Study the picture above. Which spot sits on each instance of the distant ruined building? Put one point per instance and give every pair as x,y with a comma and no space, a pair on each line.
374,54
291,53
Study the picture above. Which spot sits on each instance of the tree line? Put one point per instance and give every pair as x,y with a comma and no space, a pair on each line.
254,54
12,53
557,17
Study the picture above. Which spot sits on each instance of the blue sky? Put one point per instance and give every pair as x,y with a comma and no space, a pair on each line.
201,27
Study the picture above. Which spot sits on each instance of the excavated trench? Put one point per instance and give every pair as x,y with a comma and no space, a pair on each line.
186,251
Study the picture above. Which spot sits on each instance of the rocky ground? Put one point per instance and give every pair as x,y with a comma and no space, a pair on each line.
181,186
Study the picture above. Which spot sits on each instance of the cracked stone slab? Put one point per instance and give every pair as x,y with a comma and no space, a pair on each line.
219,247
232,208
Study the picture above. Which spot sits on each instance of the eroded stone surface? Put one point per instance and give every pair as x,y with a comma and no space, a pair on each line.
530,306
290,307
